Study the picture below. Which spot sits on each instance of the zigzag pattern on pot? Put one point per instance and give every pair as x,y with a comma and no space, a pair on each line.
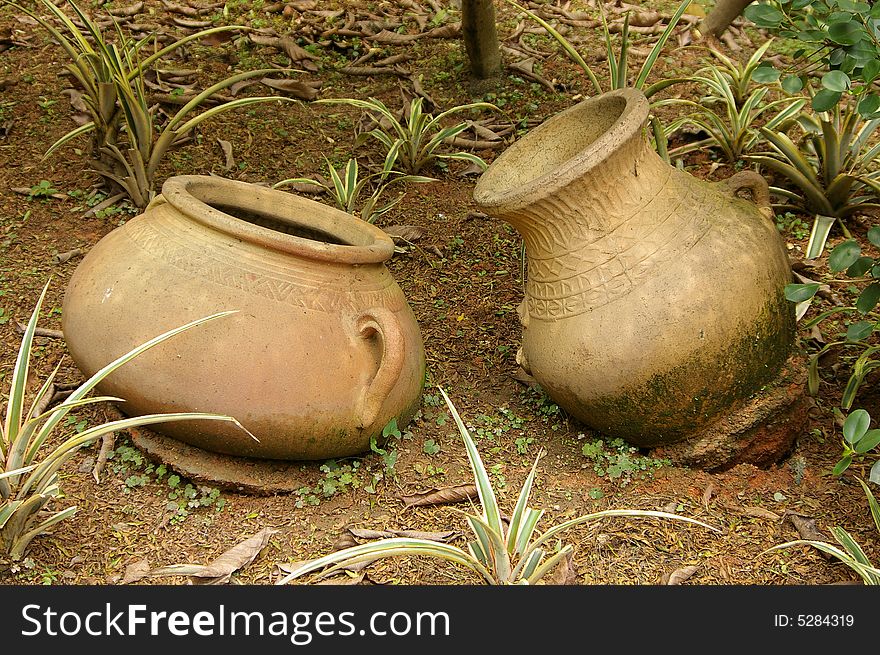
258,275
571,271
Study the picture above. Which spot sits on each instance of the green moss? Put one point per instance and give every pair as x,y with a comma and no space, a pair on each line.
674,404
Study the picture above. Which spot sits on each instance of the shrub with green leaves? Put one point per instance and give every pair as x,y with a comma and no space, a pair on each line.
734,106
500,553
858,440
864,317
347,186
839,40
849,552
128,140
617,63
32,451
834,166
414,143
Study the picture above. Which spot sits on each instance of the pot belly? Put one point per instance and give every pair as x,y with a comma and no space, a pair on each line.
290,373
668,358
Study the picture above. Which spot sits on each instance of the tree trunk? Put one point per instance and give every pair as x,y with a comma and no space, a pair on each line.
721,16
481,37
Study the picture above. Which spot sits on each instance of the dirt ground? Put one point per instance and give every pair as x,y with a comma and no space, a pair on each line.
462,278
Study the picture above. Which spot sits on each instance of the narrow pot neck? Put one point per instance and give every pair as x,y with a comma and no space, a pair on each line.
592,206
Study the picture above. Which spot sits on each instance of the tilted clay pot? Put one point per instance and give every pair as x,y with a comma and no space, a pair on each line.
654,300
323,351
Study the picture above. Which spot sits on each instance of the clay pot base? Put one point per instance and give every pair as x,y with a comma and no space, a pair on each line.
259,477
759,432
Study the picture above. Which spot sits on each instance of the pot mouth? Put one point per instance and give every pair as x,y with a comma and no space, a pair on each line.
277,220
562,149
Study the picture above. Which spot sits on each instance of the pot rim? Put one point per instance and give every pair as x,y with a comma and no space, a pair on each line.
625,127
363,243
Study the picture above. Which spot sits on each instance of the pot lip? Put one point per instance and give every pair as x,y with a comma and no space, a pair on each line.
364,243
627,126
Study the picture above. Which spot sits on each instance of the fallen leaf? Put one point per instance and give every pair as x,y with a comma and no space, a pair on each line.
364,533
565,572
806,527
524,378
227,152
441,496
62,257
429,536
180,9
707,494
302,90
135,571
191,24
136,8
272,41
404,233
304,188
680,575
760,512
220,570
294,51
346,540
394,37
76,100
241,84
644,18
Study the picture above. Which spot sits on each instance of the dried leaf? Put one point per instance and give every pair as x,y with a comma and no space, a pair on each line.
394,37
191,24
374,70
565,573
292,50
217,38
364,533
241,84
303,5
227,152
62,257
76,100
221,569
302,90
430,536
345,540
448,31
760,512
806,527
707,494
304,187
135,571
271,40
680,575
180,9
644,18
441,496
524,378
403,234
136,8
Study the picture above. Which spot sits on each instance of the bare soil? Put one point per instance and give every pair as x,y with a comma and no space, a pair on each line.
463,279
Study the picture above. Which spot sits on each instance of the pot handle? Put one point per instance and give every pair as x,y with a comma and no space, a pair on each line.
381,322
757,185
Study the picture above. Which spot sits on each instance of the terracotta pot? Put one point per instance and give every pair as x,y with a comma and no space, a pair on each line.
323,351
654,300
